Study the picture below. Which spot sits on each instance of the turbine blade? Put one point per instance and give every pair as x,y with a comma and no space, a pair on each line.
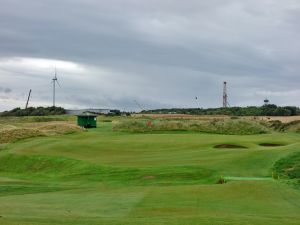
58,83
55,77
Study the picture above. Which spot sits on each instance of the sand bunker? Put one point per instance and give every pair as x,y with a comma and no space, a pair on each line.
229,146
271,145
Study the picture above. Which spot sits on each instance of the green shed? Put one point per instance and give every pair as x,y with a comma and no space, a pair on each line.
87,120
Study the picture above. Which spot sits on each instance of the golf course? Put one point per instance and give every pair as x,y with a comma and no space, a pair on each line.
148,171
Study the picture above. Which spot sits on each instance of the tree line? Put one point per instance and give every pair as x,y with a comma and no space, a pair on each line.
34,111
265,110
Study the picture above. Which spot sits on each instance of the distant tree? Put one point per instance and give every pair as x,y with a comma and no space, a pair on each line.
32,111
265,110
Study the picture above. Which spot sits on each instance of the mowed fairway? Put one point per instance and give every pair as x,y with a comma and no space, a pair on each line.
106,177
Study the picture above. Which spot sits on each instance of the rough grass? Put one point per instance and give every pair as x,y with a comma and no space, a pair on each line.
10,133
60,128
6,127
293,126
289,168
241,127
35,119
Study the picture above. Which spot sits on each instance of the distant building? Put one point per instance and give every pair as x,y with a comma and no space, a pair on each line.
95,111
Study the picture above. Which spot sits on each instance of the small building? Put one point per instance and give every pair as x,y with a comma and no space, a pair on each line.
87,120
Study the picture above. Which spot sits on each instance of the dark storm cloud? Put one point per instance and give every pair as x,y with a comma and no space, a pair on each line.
163,53
5,90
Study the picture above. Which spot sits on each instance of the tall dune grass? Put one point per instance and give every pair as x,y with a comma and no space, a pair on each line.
242,127
13,134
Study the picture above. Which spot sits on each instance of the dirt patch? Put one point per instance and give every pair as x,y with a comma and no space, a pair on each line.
271,145
149,177
229,146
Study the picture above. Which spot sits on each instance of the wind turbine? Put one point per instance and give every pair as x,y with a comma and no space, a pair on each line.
139,105
54,80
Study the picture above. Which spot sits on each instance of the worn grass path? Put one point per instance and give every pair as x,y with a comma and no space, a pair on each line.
105,177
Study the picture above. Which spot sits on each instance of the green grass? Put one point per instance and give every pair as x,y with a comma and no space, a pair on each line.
168,177
289,168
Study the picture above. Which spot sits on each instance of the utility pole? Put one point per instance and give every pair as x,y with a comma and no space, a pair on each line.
225,96
28,99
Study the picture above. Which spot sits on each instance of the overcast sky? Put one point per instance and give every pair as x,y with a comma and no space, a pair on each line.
160,53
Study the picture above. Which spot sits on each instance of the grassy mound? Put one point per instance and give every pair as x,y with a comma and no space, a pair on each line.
61,168
293,126
60,128
12,135
40,165
289,167
242,127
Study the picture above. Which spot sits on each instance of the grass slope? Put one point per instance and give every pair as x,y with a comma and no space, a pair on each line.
289,168
106,177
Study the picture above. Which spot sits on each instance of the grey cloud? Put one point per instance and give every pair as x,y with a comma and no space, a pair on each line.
161,52
5,90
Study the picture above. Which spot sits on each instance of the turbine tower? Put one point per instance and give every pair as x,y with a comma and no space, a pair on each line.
225,96
54,80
